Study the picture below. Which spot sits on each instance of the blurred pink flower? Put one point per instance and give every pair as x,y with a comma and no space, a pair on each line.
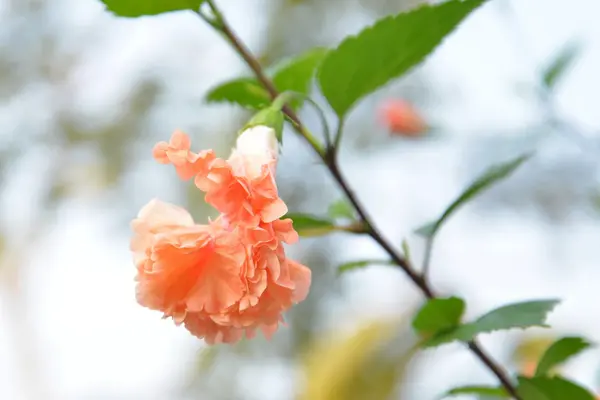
401,118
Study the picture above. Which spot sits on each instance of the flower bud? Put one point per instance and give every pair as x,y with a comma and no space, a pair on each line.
258,140
271,117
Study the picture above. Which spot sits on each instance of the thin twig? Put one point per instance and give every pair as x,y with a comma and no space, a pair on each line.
330,160
326,132
338,136
332,165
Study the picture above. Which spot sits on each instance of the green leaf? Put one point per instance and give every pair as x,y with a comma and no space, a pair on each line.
246,92
488,391
491,176
296,74
427,230
140,8
341,209
439,315
270,116
519,315
554,388
309,225
365,62
559,352
362,264
560,65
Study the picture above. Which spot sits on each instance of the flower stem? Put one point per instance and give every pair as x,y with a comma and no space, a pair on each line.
256,68
330,160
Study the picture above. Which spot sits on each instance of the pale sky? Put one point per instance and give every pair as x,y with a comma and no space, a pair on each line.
92,336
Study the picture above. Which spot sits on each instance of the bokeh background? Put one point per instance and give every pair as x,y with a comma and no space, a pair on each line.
84,96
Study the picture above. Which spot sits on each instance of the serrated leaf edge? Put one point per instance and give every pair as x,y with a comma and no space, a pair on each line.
354,37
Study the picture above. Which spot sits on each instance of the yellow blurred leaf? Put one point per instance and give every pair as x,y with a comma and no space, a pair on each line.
207,358
531,349
528,352
353,367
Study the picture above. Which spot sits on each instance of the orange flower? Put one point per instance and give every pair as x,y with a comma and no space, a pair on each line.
185,267
177,152
244,197
224,280
243,187
220,281
401,118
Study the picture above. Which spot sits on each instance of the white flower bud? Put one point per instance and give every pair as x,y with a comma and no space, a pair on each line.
258,141
255,147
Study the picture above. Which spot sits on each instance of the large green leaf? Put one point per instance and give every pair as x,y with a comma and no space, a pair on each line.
559,352
365,62
555,388
294,74
519,315
140,8
491,176
246,92
560,65
438,315
487,391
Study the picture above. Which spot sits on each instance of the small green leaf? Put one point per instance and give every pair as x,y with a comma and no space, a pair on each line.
363,63
272,117
559,352
341,209
309,225
519,315
246,92
439,315
362,264
487,391
491,176
551,388
296,74
560,65
140,8
427,230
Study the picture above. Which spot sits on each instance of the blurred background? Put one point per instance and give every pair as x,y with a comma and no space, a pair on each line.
84,96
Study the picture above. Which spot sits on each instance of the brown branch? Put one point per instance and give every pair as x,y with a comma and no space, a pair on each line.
330,161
